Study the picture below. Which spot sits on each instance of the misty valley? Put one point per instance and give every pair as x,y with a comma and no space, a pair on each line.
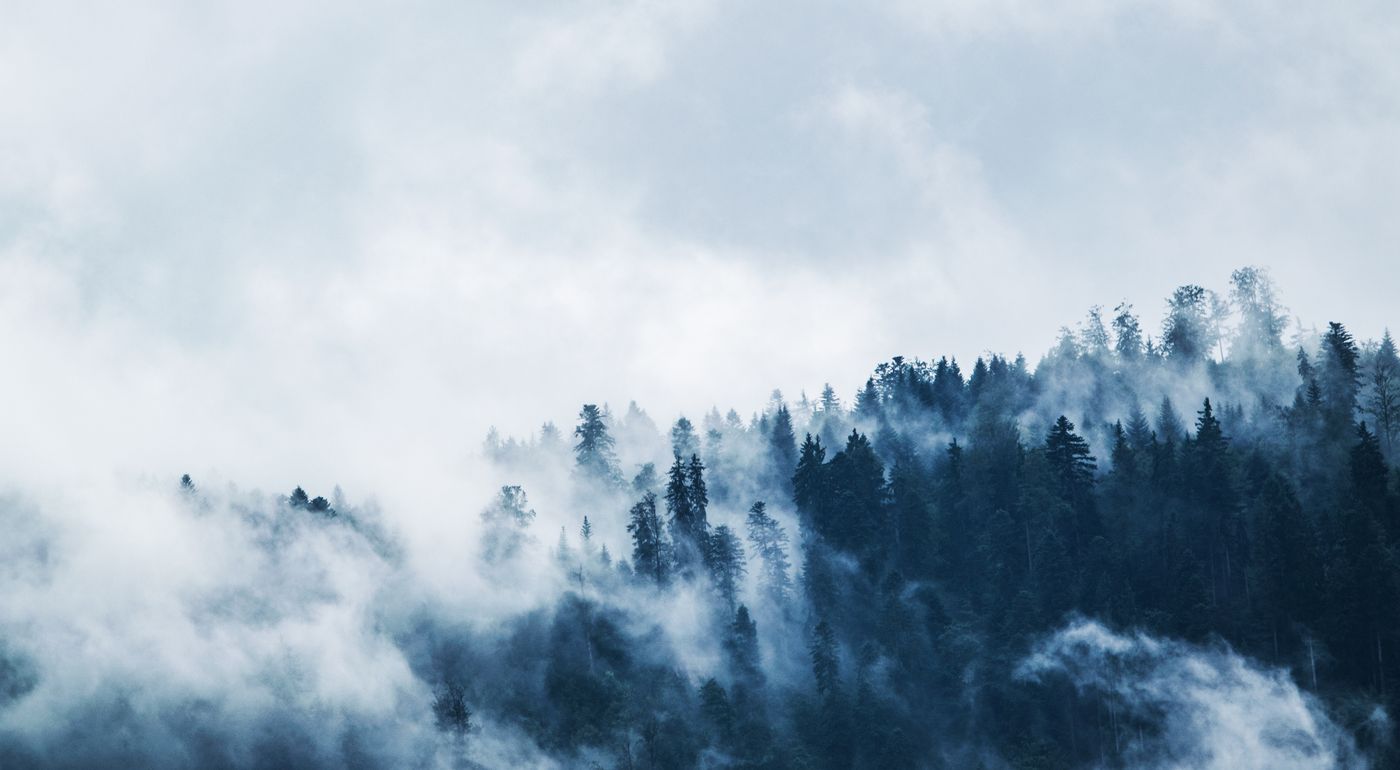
1151,548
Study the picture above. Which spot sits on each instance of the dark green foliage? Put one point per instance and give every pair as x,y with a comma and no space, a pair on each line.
650,558
1069,458
741,646
782,447
686,503
825,667
963,519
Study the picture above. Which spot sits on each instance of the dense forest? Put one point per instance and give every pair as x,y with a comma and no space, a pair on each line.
902,559
1153,548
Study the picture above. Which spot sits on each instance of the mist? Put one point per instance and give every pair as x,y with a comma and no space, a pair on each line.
891,356
523,606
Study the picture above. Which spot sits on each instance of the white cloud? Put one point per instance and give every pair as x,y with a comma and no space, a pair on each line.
1178,706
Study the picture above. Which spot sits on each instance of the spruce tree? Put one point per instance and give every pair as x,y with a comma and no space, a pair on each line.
782,449
724,556
594,455
825,667
684,442
1340,380
807,478
686,503
770,544
649,554
1384,402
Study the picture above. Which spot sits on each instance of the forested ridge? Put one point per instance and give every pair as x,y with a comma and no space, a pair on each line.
1215,483
1166,548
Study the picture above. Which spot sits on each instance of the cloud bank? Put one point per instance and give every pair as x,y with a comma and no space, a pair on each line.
1175,705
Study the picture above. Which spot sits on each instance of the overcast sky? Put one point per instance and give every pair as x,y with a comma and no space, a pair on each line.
287,241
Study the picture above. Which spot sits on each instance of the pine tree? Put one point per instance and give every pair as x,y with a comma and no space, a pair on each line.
1093,335
649,554
686,503
562,552
1123,456
683,439
1340,380
1070,460
585,532
1210,488
855,517
451,711
715,705
506,521
807,480
1186,333
1139,430
594,455
830,404
741,647
825,668
1127,334
1368,470
1384,402
1169,426
914,549
868,402
1262,320
782,449
770,543
646,479
724,556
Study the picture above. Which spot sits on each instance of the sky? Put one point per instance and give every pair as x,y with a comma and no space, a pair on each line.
299,242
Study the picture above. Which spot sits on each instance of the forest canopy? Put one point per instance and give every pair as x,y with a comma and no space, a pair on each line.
1152,548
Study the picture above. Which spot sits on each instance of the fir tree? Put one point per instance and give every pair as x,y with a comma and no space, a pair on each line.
825,668
649,554
1340,380
594,456
724,556
782,449
1384,402
770,543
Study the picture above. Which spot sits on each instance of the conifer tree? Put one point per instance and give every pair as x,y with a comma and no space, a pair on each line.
684,442
506,520
594,455
782,449
649,556
825,668
1340,380
807,479
686,503
1384,402
1139,431
1127,334
1070,460
770,544
724,556
741,646
1169,426
1186,335
1262,320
